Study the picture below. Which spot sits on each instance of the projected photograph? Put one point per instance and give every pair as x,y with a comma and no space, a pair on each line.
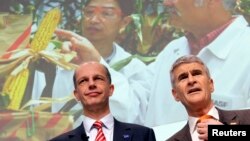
42,43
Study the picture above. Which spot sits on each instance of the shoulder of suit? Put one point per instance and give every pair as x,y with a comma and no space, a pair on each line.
132,125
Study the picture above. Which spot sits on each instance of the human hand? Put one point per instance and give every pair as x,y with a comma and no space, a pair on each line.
202,127
84,48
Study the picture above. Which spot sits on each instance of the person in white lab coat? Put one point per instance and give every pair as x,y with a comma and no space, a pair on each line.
220,39
101,24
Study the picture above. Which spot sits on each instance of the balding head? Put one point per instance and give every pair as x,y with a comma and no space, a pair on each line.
92,66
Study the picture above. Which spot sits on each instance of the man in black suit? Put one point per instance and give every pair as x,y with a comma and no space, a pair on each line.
93,88
193,87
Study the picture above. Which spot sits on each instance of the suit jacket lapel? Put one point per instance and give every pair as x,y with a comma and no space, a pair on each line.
122,132
228,117
78,134
184,135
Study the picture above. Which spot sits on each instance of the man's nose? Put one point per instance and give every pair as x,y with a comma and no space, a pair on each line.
91,83
96,17
191,79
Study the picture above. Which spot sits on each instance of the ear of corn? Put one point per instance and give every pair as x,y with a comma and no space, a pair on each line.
15,87
45,30
7,84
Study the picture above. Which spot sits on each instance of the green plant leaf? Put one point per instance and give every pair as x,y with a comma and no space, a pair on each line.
4,100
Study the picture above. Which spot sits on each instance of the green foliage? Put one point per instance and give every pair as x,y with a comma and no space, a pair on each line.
245,6
146,36
120,64
4,100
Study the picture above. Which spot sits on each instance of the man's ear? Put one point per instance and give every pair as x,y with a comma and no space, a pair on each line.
175,95
211,85
125,21
111,89
76,96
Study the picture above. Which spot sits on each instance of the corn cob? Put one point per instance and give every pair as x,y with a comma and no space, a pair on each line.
45,30
13,84
15,87
7,84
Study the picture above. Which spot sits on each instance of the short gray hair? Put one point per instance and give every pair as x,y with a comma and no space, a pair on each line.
186,60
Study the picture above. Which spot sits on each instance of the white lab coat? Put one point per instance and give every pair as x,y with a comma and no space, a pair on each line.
129,100
228,59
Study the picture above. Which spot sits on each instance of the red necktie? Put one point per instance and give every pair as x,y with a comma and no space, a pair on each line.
100,135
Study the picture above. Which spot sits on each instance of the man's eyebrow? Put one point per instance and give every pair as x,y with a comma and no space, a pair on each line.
181,75
197,70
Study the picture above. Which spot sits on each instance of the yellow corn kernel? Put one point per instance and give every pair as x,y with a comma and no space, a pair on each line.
18,89
45,30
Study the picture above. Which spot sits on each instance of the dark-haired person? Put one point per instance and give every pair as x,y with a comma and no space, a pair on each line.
101,22
193,86
93,88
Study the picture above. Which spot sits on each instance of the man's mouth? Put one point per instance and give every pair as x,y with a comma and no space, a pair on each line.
93,93
93,29
194,90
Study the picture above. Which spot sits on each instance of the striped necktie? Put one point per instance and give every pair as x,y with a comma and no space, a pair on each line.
100,135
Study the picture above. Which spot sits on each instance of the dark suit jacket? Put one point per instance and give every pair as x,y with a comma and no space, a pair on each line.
122,132
227,117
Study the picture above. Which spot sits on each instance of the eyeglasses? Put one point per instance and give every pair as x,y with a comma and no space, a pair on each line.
103,12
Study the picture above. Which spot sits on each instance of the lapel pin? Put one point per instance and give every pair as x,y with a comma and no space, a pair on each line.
125,136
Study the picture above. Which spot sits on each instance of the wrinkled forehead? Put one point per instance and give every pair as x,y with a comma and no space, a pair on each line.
92,64
189,66
90,67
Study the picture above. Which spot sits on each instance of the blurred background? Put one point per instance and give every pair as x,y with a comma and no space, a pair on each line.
145,37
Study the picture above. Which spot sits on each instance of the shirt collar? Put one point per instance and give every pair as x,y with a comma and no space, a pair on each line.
223,44
192,120
196,46
110,57
107,120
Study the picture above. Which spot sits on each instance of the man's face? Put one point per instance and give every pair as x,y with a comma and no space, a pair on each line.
92,86
102,20
192,85
186,13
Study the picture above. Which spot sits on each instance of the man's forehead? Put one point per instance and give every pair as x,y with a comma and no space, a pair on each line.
103,3
90,64
90,70
190,66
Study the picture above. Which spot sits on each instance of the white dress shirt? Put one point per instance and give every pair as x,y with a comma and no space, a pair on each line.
193,120
108,127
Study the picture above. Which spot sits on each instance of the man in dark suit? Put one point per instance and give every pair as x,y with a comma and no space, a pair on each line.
193,87
93,88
